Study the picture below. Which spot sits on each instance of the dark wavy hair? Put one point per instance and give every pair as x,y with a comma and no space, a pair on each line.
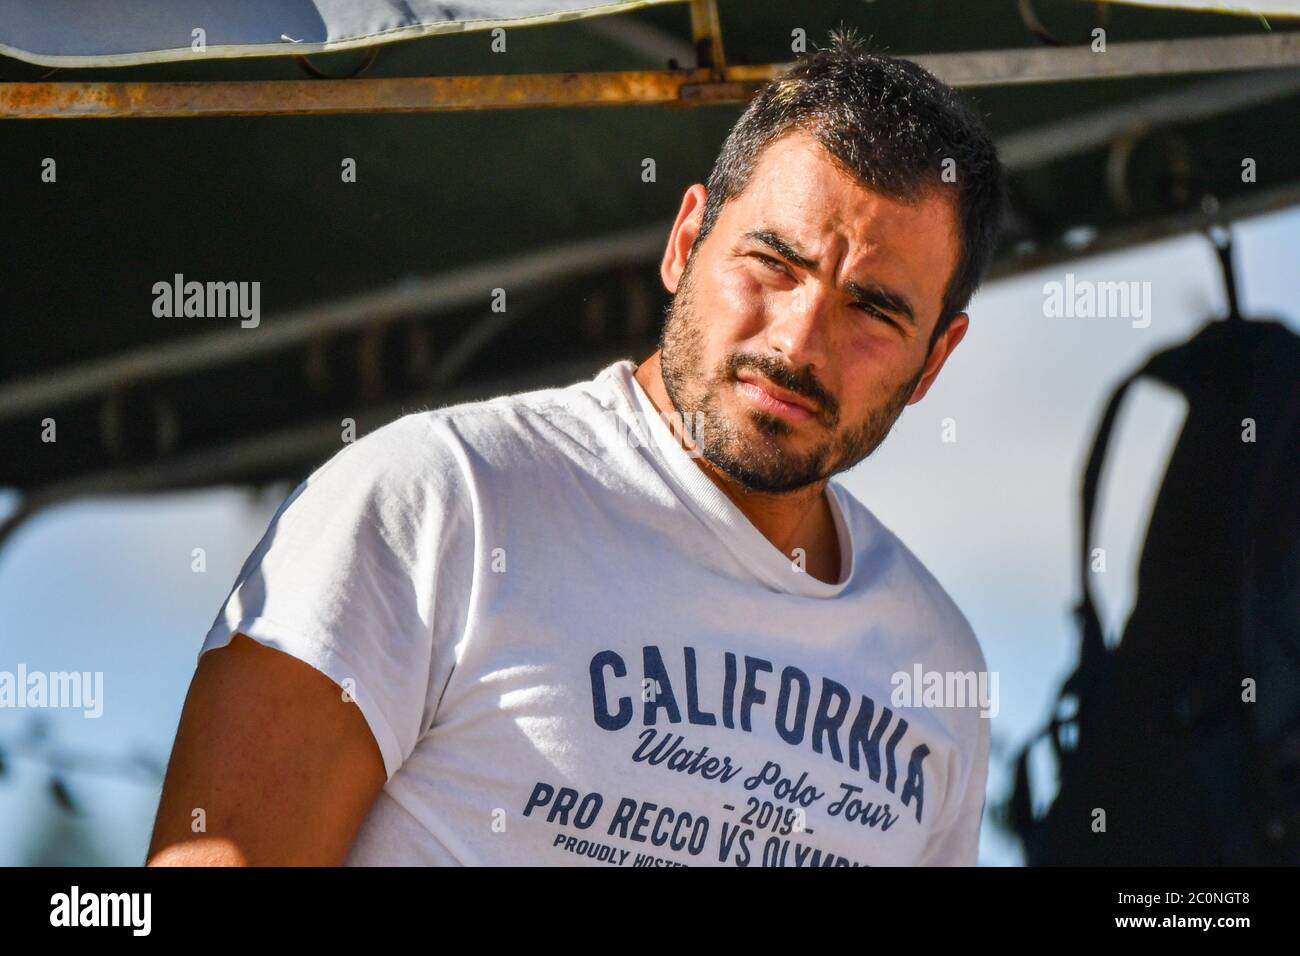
889,124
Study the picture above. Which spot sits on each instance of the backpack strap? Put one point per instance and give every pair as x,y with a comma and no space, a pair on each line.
1093,646
1093,655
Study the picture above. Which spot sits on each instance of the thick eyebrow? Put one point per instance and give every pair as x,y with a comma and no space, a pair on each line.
870,293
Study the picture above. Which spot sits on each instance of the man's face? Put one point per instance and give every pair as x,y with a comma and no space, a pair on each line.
805,284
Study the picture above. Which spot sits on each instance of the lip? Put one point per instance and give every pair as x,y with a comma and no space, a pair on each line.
772,399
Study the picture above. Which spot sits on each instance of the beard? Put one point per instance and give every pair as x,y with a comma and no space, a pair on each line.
750,452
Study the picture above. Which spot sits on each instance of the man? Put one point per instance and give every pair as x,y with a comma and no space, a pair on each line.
632,621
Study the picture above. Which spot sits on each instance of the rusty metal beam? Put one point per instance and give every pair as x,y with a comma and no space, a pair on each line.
730,84
398,95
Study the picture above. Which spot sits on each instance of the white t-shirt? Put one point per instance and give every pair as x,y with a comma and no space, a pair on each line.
572,648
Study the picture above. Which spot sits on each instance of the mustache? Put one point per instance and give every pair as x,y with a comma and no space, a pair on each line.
780,374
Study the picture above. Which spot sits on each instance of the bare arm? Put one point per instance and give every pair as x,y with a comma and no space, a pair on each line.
282,766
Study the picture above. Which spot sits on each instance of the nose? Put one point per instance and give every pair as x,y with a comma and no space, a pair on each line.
798,329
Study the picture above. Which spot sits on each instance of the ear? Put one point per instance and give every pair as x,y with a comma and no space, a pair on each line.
955,332
680,240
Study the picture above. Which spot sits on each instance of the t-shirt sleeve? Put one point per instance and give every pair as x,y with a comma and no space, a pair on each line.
956,842
364,573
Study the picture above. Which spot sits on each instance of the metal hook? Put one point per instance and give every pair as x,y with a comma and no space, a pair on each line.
365,65
1219,232
1029,17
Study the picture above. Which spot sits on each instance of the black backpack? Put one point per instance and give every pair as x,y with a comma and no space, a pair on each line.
1155,730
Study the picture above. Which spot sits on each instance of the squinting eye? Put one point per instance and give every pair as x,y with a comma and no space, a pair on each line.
870,310
772,264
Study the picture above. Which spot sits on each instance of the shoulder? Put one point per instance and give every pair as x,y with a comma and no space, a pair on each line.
410,451
884,552
393,480
520,428
436,451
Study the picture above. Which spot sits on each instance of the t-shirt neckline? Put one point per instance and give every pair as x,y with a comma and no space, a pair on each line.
715,509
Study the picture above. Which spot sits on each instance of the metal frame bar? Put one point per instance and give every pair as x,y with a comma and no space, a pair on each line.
1245,205
1080,133
1121,60
707,84
706,33
445,292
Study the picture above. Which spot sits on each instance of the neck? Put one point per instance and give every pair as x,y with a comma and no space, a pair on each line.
790,521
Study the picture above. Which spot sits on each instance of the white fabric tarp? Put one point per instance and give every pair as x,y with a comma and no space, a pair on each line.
85,33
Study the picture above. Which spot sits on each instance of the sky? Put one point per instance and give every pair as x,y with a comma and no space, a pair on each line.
108,584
